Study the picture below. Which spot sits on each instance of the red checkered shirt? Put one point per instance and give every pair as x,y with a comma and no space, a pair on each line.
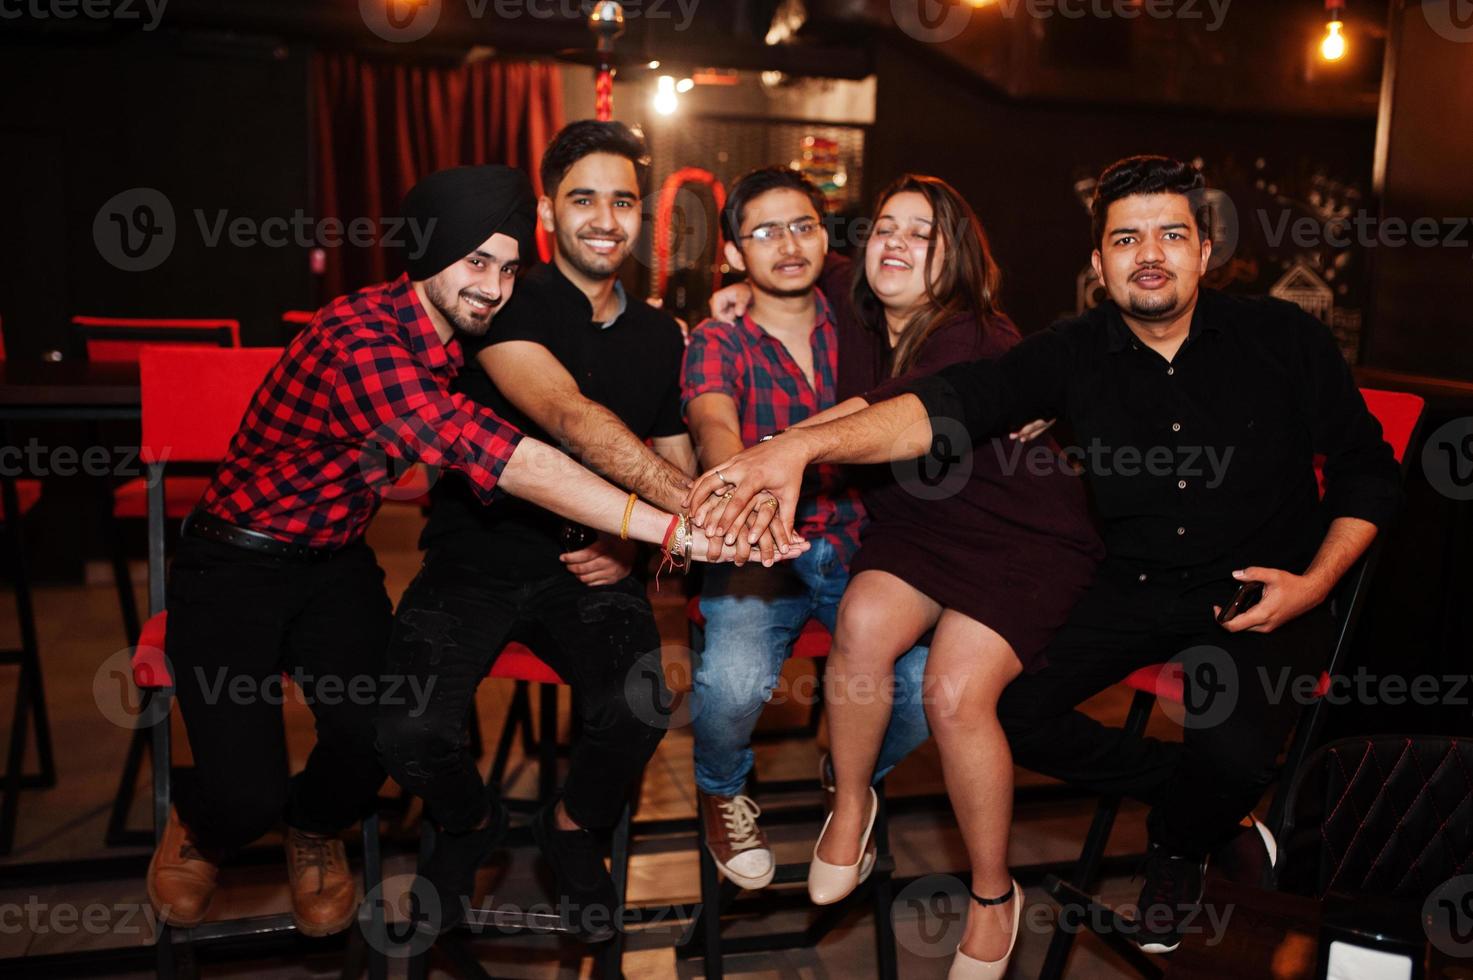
771,393
366,382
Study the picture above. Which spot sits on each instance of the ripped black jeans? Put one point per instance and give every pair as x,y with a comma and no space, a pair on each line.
448,630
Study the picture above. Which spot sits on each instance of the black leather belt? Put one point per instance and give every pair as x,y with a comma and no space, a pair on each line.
201,524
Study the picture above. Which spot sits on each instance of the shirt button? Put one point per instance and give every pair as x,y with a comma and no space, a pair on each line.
1181,484
1176,427
1171,370
1180,531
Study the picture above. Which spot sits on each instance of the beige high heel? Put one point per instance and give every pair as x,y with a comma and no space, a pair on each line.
963,967
828,883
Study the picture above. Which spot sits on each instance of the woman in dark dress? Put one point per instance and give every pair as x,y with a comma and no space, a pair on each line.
986,549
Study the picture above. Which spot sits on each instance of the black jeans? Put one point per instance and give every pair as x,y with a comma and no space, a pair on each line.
238,620
1237,718
453,622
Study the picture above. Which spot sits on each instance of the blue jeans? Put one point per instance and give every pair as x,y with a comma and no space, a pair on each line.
753,616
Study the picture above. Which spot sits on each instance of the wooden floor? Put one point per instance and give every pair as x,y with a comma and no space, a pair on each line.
104,905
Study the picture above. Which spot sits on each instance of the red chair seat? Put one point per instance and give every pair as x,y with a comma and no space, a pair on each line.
1164,681
27,492
518,663
813,641
150,668
181,493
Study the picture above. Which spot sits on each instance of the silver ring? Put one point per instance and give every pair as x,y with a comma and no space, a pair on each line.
722,477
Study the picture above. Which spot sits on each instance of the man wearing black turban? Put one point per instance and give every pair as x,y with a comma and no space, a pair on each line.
273,575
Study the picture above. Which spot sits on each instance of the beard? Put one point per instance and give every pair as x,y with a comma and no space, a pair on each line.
1154,305
591,266
462,319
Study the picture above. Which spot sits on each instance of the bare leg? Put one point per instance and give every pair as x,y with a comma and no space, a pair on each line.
880,618
967,670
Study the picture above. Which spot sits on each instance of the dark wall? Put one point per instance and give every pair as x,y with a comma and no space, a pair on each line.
1018,162
1424,293
213,125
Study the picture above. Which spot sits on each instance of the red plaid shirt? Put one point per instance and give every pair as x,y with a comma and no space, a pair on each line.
367,381
771,392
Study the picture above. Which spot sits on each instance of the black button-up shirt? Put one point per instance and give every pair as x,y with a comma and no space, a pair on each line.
1202,464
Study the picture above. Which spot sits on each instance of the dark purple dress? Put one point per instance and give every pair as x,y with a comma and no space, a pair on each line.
1010,544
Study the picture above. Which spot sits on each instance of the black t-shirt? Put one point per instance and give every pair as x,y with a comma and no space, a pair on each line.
631,366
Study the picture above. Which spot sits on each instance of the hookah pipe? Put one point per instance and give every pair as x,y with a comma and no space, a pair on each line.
606,21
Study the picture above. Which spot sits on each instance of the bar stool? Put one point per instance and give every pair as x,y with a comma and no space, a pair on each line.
705,937
192,403
517,662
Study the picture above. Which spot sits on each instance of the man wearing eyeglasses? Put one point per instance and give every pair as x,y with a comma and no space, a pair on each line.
758,374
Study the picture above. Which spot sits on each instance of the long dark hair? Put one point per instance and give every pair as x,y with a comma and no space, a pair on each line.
968,280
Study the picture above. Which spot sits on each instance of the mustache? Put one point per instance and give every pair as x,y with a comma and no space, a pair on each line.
490,301
1154,270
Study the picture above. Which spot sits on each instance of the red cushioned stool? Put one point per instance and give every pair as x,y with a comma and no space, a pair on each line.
120,340
1400,416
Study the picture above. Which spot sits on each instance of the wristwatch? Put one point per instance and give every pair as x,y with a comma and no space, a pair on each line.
772,435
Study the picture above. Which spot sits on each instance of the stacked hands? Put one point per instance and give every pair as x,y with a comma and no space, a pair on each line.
750,501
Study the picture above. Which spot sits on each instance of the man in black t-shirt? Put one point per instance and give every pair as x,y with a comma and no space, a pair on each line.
577,362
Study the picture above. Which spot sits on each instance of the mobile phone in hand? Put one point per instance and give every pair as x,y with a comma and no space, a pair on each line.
1245,598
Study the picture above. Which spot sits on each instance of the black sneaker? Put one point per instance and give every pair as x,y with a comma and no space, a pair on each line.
450,870
1172,892
587,901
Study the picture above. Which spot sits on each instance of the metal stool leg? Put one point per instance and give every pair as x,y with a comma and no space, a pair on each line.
547,744
611,958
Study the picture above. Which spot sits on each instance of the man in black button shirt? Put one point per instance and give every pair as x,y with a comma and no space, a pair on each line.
1199,415
575,361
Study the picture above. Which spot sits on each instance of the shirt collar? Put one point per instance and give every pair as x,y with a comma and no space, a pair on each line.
1118,335
556,275
822,316
420,331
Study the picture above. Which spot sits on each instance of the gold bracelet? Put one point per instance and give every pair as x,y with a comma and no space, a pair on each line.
628,509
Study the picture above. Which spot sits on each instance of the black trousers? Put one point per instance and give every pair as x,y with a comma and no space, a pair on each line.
238,621
453,622
1237,716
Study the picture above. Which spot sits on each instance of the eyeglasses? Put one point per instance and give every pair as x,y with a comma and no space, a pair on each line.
768,234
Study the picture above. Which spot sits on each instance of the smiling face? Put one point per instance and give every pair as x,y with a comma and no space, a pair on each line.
594,214
470,292
895,256
1151,257
789,264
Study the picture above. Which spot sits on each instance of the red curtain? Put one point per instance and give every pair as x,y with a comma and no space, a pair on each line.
380,126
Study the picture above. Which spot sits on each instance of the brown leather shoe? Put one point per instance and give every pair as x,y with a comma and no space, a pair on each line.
324,894
826,779
181,878
737,844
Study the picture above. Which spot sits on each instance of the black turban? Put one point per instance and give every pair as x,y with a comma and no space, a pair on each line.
467,205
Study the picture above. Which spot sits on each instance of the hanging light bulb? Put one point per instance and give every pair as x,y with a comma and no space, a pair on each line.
666,101
1332,47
